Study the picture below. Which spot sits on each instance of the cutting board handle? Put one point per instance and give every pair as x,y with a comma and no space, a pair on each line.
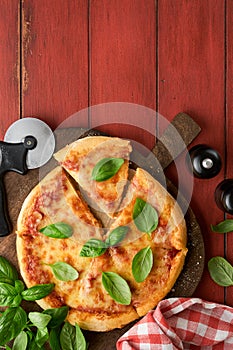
169,146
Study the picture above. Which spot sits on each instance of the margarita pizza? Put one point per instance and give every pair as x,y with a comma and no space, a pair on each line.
123,269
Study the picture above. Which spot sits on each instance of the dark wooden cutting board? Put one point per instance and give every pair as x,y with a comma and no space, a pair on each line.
18,187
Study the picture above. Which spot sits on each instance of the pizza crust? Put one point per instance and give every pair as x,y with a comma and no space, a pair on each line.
102,322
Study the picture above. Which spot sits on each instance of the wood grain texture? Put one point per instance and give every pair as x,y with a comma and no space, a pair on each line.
55,59
9,64
123,63
191,79
79,53
229,128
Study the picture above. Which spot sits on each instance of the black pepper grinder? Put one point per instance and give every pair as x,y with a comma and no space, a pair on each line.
204,161
224,196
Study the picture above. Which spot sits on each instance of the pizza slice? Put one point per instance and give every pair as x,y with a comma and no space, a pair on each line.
98,156
166,266
55,200
151,201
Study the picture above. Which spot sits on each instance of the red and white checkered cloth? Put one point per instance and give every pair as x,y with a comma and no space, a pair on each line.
182,323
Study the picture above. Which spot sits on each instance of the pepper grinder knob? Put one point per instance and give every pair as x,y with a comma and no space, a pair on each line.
204,161
224,196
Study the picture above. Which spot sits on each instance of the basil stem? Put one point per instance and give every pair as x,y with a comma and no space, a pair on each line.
106,168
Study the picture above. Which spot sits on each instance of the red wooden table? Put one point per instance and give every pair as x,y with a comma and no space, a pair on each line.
59,57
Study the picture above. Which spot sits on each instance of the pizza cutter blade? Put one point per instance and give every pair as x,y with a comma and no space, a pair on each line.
28,144
45,141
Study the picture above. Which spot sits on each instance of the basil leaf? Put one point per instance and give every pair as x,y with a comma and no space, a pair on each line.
7,294
68,337
12,322
59,230
7,347
19,286
58,316
8,273
37,292
117,287
39,319
42,335
142,264
106,168
54,339
33,345
20,342
222,227
116,236
93,248
145,216
80,340
221,271
64,272
17,301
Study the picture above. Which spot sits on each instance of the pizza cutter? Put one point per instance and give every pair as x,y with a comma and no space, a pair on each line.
28,144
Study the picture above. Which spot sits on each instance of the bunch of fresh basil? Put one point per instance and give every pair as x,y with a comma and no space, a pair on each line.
33,331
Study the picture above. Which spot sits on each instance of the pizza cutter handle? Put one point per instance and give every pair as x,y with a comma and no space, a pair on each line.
5,225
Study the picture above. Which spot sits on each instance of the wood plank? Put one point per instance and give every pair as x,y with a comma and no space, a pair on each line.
123,65
229,128
191,79
55,60
9,64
